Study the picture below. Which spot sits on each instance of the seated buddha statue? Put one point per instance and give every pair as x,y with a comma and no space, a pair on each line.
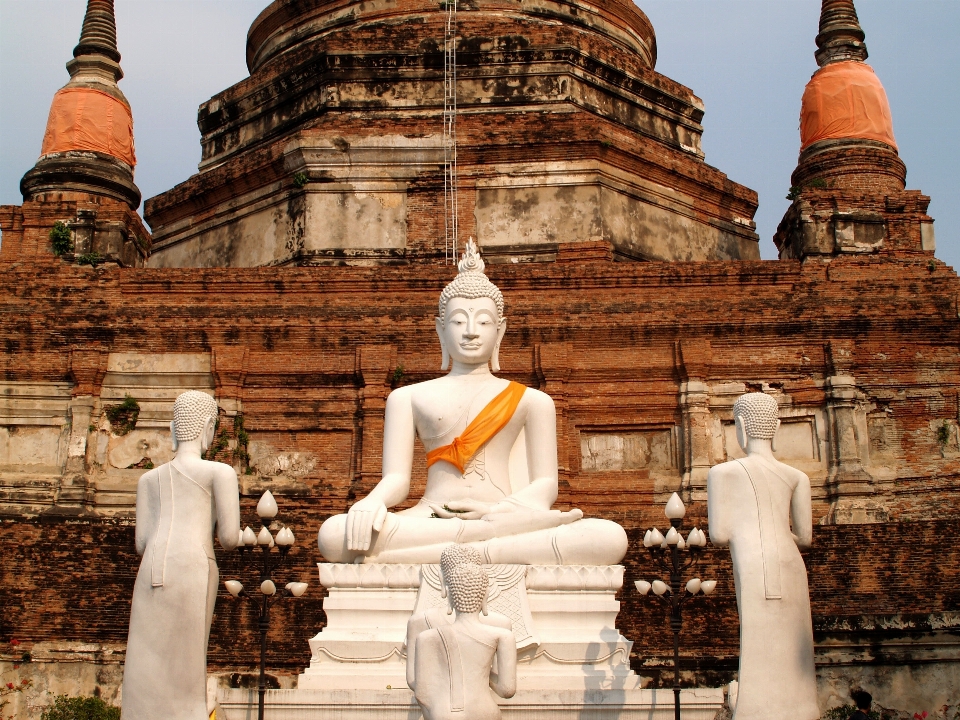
491,458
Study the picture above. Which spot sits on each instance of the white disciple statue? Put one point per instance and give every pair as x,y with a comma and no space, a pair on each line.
761,508
454,662
491,458
179,504
453,557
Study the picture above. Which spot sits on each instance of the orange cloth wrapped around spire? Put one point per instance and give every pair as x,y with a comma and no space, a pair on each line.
845,100
484,426
82,118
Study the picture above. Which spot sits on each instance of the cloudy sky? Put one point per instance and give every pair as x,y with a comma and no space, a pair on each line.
747,59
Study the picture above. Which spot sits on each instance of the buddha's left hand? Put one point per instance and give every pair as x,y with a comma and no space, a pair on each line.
469,509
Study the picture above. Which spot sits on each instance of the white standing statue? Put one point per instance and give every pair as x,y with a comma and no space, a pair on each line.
762,509
178,506
491,457
454,662
453,557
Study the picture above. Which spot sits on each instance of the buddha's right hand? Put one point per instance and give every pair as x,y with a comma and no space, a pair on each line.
365,517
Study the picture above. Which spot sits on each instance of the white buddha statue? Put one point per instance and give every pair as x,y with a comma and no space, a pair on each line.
491,455
454,662
761,509
453,557
179,505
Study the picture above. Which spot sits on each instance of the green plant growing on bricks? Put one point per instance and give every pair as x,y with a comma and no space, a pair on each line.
61,238
943,434
123,417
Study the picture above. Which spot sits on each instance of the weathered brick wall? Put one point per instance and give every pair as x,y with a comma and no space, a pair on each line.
73,581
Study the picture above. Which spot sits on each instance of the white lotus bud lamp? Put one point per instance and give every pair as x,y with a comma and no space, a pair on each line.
673,537
675,508
233,587
267,507
264,538
656,537
249,537
659,587
297,588
646,539
267,587
643,587
708,586
693,586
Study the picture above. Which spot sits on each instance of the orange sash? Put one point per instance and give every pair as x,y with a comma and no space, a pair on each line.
484,426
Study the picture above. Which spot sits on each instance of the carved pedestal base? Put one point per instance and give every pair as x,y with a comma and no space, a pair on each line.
564,619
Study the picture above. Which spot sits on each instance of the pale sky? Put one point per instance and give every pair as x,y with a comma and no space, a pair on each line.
747,59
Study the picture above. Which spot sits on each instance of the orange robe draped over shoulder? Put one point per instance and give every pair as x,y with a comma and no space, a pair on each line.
484,426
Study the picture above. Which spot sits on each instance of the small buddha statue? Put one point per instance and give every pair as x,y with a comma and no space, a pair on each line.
491,458
452,557
454,662
179,505
761,508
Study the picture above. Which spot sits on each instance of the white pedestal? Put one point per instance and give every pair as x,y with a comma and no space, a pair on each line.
564,620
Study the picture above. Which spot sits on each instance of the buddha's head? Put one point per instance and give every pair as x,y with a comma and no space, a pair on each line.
468,588
194,417
453,556
471,323
757,416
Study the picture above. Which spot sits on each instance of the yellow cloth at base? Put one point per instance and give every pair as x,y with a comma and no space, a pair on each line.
484,426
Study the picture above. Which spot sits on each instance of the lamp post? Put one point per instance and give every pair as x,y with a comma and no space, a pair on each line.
665,551
269,594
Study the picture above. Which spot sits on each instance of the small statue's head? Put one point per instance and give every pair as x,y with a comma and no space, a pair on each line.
757,416
471,323
468,588
453,556
194,417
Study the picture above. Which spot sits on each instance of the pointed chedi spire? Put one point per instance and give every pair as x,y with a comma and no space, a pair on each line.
99,34
841,37
88,144
846,127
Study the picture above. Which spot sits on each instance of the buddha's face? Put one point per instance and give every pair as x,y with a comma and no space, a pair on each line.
471,330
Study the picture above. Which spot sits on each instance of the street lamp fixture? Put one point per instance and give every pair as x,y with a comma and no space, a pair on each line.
665,551
269,594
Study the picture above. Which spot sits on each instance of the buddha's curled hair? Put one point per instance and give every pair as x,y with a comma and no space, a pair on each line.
759,413
191,410
468,588
455,555
470,282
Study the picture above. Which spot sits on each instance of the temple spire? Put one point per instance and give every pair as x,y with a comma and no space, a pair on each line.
841,38
99,33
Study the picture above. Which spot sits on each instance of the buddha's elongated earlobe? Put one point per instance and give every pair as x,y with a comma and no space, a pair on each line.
741,433
483,608
773,440
495,358
206,435
445,356
173,436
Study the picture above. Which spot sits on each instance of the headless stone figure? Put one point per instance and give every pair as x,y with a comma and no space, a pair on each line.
452,557
491,456
761,509
454,679
178,506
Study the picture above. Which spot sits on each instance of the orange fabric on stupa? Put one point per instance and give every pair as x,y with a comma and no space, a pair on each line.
845,100
484,426
87,119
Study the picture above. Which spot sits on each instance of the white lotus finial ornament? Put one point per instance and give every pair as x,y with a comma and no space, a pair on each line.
267,507
675,508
